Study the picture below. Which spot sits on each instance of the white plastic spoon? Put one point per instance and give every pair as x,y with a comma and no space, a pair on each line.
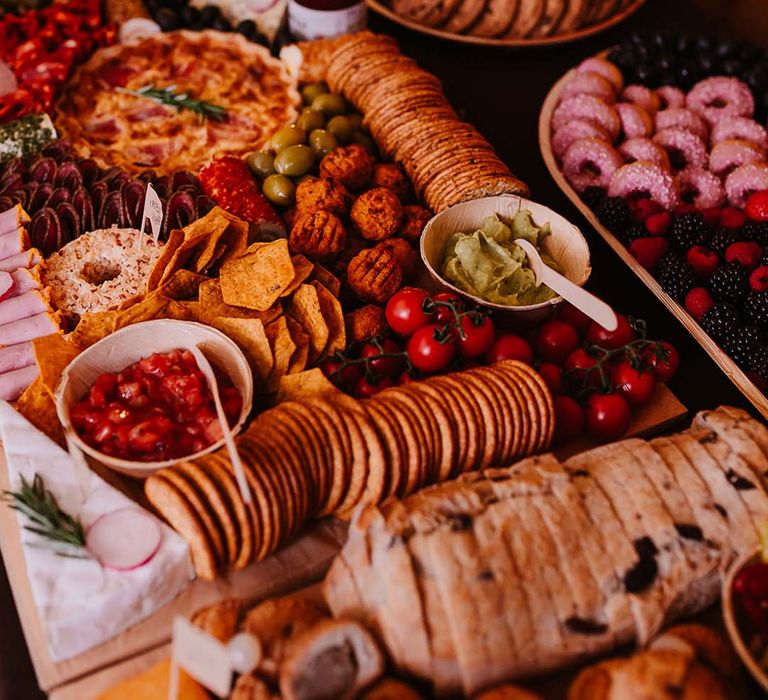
593,307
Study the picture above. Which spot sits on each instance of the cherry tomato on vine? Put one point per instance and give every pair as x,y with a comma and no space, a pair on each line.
364,388
477,334
346,377
635,385
554,341
597,335
443,314
572,316
431,348
552,376
569,420
578,364
405,311
384,366
509,346
608,416
405,378
663,369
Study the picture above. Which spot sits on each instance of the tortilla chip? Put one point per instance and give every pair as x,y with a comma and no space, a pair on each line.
334,318
182,310
304,306
212,306
257,278
303,268
53,353
235,237
327,279
303,385
93,327
158,273
182,285
207,262
37,406
249,335
283,347
301,339
152,306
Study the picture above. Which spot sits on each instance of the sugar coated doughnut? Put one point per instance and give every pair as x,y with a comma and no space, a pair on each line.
684,149
681,118
635,121
607,69
644,149
720,97
643,97
700,187
745,180
589,83
573,131
740,128
590,162
726,156
641,178
670,97
588,108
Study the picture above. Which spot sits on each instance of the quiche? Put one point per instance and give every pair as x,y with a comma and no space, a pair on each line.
106,122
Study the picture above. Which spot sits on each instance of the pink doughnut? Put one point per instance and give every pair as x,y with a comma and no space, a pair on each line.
740,128
700,187
670,97
683,148
635,121
720,97
588,108
680,118
573,131
726,156
642,177
589,83
590,163
647,150
745,180
643,97
607,69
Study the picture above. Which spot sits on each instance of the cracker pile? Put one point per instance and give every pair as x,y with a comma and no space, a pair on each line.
326,455
405,109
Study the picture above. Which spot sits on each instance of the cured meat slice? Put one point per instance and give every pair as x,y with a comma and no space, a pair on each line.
22,306
28,258
13,242
16,356
28,329
13,383
13,219
24,280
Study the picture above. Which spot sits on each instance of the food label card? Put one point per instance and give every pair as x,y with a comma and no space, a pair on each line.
153,210
202,656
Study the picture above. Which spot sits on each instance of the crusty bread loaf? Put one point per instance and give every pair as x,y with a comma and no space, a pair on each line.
513,572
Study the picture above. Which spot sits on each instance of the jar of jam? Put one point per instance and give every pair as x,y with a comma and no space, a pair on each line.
314,19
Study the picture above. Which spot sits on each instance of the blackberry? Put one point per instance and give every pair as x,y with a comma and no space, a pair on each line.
675,276
688,230
613,213
742,343
756,231
721,238
592,196
632,233
756,308
721,321
758,360
729,283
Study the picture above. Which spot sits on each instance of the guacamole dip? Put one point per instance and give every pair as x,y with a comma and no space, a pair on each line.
488,264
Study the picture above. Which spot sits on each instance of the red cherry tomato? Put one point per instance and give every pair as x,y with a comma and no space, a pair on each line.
384,366
597,335
430,350
571,315
608,416
364,389
405,378
477,335
569,420
552,376
666,368
636,386
509,346
345,377
443,314
554,341
577,366
405,311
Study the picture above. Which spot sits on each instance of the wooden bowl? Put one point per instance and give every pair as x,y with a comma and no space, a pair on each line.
566,245
130,344
735,623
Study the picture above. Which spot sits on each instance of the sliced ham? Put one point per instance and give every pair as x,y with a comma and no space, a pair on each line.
12,219
8,82
28,329
13,243
28,258
23,306
13,383
16,356
24,280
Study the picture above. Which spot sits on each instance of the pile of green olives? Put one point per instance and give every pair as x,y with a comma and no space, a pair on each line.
294,153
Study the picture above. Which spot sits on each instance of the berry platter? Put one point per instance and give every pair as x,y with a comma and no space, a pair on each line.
664,154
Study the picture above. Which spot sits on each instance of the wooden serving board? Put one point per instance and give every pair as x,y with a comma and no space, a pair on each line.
731,369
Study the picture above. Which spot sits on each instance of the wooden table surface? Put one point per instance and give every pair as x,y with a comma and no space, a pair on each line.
501,92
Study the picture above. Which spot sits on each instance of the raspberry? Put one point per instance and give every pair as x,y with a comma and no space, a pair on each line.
712,216
648,251
697,302
729,283
746,253
643,208
703,260
757,206
758,280
732,218
658,224
685,209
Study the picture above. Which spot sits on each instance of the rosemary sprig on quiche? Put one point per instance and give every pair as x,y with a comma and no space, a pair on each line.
181,101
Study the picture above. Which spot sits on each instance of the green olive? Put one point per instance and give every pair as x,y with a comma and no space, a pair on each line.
341,128
364,140
322,142
279,189
261,163
286,137
311,120
295,160
330,105
356,120
311,91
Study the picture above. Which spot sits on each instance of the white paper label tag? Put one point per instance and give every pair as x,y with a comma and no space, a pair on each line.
153,210
202,656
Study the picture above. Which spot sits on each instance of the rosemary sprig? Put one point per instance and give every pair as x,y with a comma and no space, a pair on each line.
48,519
168,96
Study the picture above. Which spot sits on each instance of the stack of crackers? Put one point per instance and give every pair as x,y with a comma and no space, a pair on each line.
328,453
405,109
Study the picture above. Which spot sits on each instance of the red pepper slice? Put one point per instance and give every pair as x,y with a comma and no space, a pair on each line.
15,105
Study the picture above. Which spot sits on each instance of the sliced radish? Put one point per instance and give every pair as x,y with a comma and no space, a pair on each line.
6,284
124,539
